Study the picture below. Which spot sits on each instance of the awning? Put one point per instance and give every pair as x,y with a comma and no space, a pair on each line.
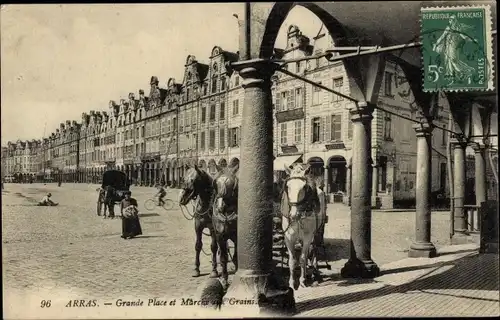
280,162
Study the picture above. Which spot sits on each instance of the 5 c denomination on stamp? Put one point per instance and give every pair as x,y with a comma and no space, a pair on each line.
457,51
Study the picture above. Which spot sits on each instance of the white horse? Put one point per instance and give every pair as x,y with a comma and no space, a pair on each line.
304,212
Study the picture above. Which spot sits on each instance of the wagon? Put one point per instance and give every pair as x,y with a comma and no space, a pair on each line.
117,184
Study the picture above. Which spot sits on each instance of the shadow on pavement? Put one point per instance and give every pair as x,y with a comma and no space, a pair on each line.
472,272
336,249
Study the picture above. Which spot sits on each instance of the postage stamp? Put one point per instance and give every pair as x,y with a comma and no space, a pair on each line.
457,51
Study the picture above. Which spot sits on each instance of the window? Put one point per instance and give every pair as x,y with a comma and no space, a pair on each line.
316,94
237,81
181,122
211,143
234,137
291,100
298,66
298,98
188,94
222,138
222,111
175,124
203,114
316,126
283,133
205,89
236,107
187,120
298,131
336,127
337,86
194,143
281,101
387,126
214,84
388,84
202,140
169,126
223,83
212,112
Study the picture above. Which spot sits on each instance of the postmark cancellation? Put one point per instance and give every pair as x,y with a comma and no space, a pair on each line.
457,50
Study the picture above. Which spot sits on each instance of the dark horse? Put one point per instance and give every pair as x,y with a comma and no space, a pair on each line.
225,214
198,185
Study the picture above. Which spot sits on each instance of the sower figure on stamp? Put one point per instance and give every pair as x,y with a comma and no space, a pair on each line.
131,227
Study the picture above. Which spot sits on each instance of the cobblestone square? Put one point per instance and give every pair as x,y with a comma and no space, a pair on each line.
68,252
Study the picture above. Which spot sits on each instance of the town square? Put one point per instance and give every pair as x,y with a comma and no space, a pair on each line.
310,162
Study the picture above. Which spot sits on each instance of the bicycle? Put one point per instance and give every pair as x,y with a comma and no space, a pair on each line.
151,204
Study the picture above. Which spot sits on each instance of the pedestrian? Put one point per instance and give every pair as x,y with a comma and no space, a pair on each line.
131,227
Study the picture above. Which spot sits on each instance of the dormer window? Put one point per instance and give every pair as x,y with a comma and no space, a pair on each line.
215,67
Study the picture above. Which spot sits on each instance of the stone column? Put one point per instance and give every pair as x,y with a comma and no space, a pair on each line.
360,263
480,173
422,246
255,203
155,171
374,185
348,183
461,230
139,173
327,184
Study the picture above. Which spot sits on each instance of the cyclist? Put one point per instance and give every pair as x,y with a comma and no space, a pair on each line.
161,195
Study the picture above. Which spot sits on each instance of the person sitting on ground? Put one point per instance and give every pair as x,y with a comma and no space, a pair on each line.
46,201
161,195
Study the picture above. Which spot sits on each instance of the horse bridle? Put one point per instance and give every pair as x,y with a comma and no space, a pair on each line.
195,196
306,201
222,216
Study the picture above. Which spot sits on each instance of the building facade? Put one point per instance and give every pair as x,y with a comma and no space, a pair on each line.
198,121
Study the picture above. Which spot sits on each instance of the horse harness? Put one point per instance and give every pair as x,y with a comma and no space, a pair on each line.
307,203
231,204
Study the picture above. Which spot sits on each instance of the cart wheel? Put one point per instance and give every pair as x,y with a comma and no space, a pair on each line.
150,204
168,204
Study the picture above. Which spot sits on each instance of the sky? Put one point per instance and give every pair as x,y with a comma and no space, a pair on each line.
58,61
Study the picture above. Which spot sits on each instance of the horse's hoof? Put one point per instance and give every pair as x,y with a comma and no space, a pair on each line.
302,283
196,273
213,274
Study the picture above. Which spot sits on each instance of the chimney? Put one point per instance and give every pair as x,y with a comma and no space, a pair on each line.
92,113
141,93
74,123
68,123
131,96
154,80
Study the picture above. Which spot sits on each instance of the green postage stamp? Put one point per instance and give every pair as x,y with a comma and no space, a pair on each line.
457,51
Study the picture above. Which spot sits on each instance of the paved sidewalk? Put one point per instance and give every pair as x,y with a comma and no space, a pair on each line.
459,282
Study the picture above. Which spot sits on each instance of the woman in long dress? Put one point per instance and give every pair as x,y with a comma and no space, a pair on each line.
131,227
448,46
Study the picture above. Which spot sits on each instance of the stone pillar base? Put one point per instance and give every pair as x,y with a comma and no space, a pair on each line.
376,204
489,247
461,238
422,250
355,268
252,295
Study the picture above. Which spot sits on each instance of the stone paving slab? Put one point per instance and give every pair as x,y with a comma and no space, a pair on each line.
459,282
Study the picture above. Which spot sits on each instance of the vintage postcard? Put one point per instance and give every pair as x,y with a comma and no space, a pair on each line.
267,159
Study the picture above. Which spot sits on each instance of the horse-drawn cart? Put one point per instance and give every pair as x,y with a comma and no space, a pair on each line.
279,249
112,191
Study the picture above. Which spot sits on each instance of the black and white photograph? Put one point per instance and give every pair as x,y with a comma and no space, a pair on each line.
249,159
